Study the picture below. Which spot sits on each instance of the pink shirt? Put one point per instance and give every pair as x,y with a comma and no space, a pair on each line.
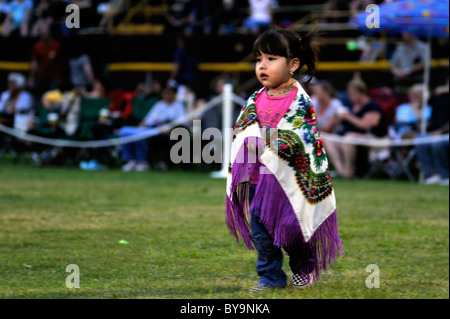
270,109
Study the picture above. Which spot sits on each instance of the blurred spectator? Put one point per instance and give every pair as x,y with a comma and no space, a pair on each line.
81,71
364,120
97,90
200,18
96,158
326,104
136,153
227,17
143,94
260,17
42,154
111,10
178,17
4,10
409,115
16,110
16,104
407,63
185,64
433,157
46,63
70,110
18,17
65,101
155,90
50,14
41,18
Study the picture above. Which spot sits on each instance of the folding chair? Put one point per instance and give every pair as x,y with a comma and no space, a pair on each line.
141,107
89,114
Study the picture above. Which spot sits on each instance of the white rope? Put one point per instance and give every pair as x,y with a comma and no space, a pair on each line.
384,142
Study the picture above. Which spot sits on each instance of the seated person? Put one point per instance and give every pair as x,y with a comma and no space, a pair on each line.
326,103
163,112
16,104
16,111
409,115
364,120
433,157
43,154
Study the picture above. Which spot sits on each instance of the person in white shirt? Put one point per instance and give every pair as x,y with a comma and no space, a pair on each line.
260,17
326,103
165,111
16,104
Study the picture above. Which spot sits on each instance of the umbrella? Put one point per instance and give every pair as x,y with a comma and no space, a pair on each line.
423,18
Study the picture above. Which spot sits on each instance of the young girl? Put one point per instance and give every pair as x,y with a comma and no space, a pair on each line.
279,192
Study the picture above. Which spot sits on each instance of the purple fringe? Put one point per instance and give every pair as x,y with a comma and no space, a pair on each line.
273,208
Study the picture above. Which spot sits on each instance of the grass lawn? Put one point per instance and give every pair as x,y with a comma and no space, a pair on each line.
179,246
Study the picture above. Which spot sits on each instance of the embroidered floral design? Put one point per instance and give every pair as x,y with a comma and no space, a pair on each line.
306,115
289,147
311,116
298,122
318,147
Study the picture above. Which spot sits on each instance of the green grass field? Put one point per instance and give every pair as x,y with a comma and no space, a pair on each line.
179,246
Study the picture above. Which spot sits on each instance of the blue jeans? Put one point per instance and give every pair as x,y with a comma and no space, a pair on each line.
136,151
433,159
270,257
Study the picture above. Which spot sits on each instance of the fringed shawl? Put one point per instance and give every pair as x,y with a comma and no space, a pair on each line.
294,196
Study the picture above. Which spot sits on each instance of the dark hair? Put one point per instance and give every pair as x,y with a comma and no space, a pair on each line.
290,44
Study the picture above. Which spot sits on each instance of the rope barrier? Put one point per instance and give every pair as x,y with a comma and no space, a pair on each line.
384,142
147,133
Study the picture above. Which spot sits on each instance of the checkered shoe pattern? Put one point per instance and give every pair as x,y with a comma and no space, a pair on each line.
300,281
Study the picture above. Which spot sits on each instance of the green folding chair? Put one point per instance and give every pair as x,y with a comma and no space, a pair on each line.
141,107
89,114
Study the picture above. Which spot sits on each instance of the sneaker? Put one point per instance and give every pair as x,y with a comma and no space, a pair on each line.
259,287
301,281
129,166
141,167
94,165
435,179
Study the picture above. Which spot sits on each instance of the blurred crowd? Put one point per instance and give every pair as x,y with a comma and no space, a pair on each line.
80,105
25,17
220,17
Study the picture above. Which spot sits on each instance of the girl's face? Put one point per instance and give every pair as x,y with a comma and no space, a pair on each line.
272,70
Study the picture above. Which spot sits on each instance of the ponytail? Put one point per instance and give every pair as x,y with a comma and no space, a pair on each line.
308,55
